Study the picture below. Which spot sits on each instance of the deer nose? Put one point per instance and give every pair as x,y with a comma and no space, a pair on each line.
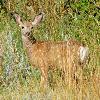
27,34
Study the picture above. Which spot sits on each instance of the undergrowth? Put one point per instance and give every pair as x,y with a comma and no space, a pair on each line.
64,19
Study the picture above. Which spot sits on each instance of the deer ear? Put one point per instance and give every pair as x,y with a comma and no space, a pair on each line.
37,19
17,18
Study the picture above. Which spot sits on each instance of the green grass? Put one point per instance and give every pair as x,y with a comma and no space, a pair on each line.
63,20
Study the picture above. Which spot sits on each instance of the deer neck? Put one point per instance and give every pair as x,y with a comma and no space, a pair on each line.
28,40
28,45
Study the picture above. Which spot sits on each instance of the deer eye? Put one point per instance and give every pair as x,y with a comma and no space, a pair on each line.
22,27
31,27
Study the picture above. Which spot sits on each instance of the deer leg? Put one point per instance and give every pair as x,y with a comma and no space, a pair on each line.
44,77
69,71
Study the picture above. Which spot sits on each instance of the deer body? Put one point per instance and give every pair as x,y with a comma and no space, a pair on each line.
44,54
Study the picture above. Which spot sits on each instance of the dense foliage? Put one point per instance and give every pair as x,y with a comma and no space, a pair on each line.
64,19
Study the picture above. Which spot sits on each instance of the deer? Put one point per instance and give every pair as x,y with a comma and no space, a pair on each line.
66,55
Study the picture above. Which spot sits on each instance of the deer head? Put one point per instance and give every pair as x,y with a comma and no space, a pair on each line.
27,26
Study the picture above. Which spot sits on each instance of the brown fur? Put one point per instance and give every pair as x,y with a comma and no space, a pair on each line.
45,54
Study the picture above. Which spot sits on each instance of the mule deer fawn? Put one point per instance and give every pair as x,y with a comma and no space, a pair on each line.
44,54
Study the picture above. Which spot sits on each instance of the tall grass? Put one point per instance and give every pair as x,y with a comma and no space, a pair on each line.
79,19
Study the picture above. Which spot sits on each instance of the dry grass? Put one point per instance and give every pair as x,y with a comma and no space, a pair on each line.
86,90
61,22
